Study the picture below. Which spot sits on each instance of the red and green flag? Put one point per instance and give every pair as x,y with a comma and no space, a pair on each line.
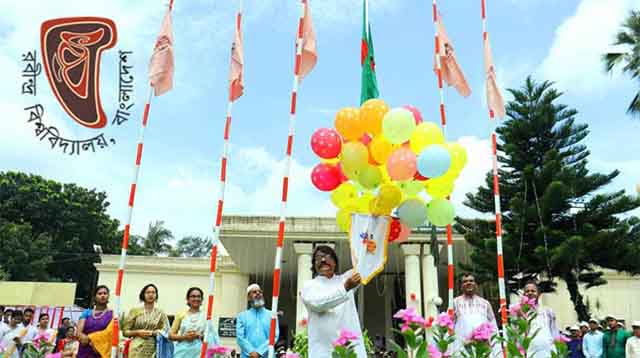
369,84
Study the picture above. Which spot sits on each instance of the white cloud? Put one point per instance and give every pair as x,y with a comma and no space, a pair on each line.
574,60
473,175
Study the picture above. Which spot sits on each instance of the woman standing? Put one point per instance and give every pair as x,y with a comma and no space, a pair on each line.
545,322
68,346
42,332
142,324
96,323
189,328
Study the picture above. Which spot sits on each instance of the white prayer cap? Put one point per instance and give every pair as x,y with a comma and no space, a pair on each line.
612,316
635,324
584,324
253,286
574,328
594,321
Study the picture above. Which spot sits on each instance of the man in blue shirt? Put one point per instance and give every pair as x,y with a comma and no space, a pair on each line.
592,340
575,344
252,326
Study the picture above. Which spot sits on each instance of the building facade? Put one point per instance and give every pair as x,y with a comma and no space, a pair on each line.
412,277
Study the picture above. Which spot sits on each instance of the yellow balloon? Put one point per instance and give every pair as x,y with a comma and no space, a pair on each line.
349,124
385,175
380,149
439,187
458,156
371,113
355,156
425,134
362,203
343,219
333,161
378,209
390,195
344,195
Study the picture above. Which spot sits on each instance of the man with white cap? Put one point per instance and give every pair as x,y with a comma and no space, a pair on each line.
575,343
614,339
592,341
252,326
633,343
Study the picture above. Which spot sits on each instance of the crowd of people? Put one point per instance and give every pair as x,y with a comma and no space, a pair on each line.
330,301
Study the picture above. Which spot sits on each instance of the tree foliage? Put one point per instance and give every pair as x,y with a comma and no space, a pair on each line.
193,246
558,221
55,224
628,59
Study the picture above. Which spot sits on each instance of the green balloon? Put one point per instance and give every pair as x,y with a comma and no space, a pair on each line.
397,125
410,188
412,212
370,177
441,212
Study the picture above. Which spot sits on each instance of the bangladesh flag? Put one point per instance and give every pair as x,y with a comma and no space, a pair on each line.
369,84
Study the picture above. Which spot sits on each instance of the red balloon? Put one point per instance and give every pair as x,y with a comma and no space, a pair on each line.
418,176
326,143
325,177
416,113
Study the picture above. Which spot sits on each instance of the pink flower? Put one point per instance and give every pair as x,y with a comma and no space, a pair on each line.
292,355
515,309
444,320
562,339
303,322
410,317
217,350
434,352
429,322
345,337
483,332
531,302
54,355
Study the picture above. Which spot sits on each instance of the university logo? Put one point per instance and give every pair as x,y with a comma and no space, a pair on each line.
71,50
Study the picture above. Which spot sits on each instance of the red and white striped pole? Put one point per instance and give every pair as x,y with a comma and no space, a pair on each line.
285,182
496,195
443,121
221,192
127,227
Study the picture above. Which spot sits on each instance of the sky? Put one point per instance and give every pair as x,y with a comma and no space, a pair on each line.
560,41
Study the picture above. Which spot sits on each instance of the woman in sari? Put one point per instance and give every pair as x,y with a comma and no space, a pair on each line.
143,324
94,326
13,337
41,333
189,328
68,346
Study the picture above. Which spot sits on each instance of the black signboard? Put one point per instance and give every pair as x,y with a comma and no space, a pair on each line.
227,327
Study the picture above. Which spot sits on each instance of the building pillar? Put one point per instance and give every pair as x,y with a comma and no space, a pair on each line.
303,252
430,284
413,293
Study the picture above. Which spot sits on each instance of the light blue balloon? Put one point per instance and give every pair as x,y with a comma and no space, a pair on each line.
434,161
412,212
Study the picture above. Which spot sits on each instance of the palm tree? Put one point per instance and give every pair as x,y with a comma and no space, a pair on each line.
628,37
157,238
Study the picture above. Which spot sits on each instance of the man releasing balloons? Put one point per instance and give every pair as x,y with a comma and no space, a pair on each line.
381,161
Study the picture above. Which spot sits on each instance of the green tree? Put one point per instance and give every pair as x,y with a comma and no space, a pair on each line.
558,222
24,255
192,246
629,38
157,239
73,218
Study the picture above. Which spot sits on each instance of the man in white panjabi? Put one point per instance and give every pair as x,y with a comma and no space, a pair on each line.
330,302
470,311
545,322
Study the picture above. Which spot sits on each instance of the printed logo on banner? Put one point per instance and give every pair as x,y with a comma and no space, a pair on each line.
71,50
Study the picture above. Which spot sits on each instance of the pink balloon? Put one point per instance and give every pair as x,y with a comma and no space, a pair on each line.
325,177
416,113
326,143
401,165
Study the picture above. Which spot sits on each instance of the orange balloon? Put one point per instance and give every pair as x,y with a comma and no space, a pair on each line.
349,124
371,113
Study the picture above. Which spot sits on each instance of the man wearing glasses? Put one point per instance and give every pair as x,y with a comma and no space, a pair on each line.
331,304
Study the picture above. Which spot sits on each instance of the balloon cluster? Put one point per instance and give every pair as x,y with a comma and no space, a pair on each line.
382,161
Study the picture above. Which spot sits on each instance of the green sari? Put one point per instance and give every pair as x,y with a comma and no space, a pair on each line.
139,319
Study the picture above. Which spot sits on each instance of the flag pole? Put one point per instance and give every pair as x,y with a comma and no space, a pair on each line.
443,122
127,227
496,193
285,181
221,191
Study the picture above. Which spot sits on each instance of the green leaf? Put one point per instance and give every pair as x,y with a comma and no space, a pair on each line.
400,351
